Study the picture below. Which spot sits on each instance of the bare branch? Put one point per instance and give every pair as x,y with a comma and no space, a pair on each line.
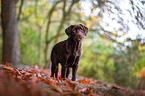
20,9
54,37
65,15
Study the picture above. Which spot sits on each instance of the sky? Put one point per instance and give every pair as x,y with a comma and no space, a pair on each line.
124,4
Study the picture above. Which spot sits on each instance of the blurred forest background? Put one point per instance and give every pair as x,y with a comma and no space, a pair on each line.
113,51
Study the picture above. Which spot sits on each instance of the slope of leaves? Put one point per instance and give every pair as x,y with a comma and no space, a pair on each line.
36,82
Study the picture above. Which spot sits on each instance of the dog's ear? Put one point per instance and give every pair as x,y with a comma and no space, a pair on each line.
68,30
85,29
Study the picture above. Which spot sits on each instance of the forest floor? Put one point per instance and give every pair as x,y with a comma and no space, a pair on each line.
34,81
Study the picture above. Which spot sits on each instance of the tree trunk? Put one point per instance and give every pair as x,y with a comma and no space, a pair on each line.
40,47
11,48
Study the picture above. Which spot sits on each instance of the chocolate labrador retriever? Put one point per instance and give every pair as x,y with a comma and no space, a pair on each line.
68,52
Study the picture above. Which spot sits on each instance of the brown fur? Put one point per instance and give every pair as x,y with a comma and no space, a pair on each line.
68,52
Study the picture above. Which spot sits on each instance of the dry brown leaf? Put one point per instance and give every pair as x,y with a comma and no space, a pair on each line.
7,64
91,94
60,78
19,73
57,88
71,87
8,68
82,89
84,81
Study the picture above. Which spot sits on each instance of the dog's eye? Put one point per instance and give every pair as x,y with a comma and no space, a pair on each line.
81,29
74,31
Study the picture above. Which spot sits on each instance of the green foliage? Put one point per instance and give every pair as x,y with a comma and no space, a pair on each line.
101,60
29,46
32,23
96,61
139,64
123,71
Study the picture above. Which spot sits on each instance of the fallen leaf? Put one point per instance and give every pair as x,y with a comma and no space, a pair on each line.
7,64
88,91
91,94
60,78
71,86
8,68
18,71
84,81
57,88
82,89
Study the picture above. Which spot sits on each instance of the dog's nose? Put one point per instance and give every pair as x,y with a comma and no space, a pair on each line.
79,36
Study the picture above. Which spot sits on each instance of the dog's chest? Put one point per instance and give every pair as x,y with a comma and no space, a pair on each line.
74,48
69,52
73,54
71,60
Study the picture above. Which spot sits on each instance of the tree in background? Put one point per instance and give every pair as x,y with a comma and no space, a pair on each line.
11,48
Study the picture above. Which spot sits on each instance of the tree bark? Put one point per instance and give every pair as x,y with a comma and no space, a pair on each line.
11,48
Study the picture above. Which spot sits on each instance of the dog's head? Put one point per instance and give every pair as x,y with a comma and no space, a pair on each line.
76,32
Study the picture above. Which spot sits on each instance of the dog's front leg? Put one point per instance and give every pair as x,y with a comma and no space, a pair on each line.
75,67
74,72
63,71
67,72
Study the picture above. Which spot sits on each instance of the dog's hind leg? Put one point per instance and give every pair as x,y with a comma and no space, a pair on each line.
54,69
56,72
67,72
54,66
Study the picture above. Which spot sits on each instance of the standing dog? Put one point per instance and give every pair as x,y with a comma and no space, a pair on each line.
68,52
